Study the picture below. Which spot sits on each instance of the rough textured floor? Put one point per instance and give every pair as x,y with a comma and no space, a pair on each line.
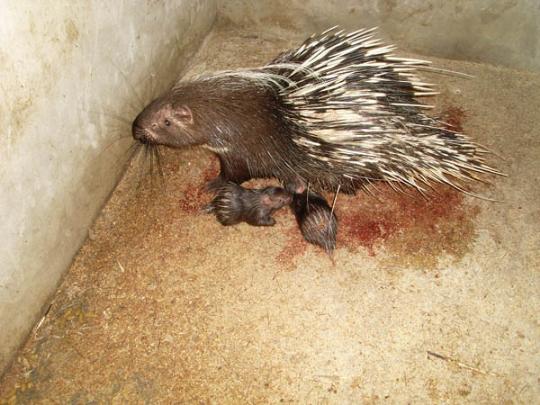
424,301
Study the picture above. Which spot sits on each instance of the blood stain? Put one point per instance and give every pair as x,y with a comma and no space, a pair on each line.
453,116
294,247
411,228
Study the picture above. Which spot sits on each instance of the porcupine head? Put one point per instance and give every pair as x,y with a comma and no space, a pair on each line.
274,198
167,121
206,112
232,116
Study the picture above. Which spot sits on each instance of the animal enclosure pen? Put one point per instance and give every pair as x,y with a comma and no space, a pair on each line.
424,300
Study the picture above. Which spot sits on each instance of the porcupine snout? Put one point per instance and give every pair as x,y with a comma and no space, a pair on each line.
138,132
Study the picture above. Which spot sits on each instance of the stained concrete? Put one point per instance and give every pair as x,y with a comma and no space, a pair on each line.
500,32
424,301
68,74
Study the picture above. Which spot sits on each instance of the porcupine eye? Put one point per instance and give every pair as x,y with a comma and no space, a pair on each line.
167,123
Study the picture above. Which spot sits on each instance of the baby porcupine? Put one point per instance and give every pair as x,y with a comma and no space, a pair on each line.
234,204
317,221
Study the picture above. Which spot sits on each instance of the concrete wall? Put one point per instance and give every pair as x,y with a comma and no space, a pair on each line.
67,68
502,32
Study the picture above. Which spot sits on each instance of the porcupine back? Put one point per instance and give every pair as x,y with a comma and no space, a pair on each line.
355,113
316,219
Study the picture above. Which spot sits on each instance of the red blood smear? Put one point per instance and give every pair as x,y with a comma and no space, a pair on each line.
454,116
212,171
296,246
365,221
195,195
429,224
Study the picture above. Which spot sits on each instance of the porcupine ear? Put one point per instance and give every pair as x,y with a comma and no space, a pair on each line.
183,112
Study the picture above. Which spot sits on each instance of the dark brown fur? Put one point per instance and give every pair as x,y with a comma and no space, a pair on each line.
245,123
234,204
317,222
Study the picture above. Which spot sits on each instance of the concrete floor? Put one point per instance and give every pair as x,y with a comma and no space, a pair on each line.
424,301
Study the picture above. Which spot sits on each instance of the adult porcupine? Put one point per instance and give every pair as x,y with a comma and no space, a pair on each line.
339,111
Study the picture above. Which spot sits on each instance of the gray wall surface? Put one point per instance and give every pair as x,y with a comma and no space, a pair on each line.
501,32
67,68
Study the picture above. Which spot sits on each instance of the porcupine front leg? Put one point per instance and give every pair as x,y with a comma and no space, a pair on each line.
230,170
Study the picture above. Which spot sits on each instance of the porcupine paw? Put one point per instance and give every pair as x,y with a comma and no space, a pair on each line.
266,221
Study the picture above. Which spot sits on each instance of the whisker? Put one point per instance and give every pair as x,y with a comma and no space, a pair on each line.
131,153
119,131
128,156
117,117
130,86
159,165
152,158
124,137
132,150
142,164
